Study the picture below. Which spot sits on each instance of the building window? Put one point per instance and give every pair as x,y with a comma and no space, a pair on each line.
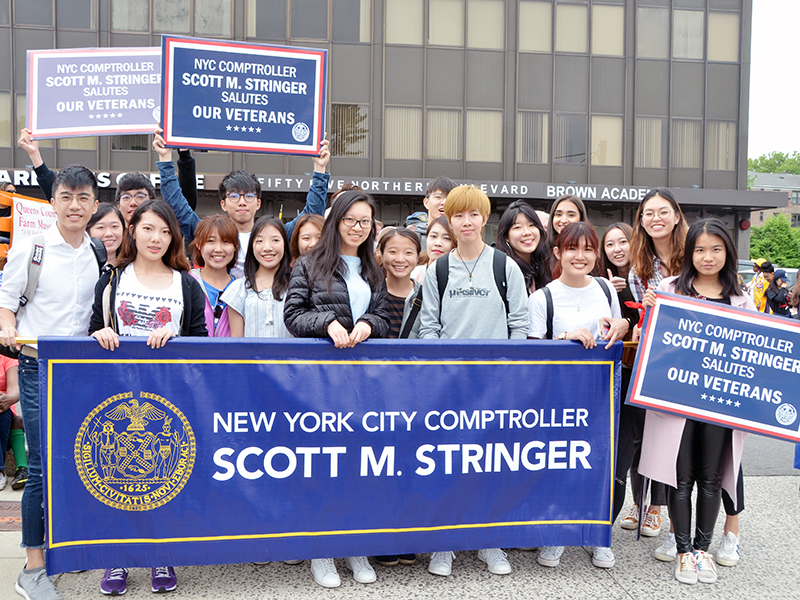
130,15
78,14
723,36
687,142
569,139
403,133
78,143
310,19
606,141
444,134
352,21
484,136
172,16
212,17
650,147
687,34
652,35
572,28
139,142
608,30
796,197
533,137
350,130
721,145
404,19
446,22
5,119
535,26
761,216
266,19
795,220
33,12
486,24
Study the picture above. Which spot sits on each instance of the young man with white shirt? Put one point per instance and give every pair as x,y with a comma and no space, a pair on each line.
472,307
240,197
61,305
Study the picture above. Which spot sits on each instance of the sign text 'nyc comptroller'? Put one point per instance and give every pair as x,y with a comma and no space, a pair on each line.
242,96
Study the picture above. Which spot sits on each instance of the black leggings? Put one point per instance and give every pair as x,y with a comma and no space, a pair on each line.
700,461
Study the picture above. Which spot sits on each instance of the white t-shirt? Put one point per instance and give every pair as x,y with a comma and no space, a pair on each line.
573,308
140,310
238,270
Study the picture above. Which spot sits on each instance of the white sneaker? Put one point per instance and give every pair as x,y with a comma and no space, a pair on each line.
496,560
441,563
728,551
603,558
686,568
706,569
325,572
631,520
3,481
362,570
550,556
668,550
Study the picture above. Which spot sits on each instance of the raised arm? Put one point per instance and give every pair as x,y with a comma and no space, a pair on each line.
171,189
316,199
44,175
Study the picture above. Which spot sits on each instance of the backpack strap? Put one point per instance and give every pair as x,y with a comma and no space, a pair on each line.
548,296
442,274
34,270
100,252
604,287
416,305
499,267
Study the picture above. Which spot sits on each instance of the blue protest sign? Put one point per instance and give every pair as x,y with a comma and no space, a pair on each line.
719,364
93,91
242,96
296,449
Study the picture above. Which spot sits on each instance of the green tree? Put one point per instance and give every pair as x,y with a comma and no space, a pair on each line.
777,242
775,162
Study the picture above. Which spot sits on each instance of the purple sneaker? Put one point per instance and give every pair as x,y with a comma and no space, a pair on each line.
115,582
164,579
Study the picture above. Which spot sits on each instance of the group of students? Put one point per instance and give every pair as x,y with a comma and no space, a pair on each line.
334,277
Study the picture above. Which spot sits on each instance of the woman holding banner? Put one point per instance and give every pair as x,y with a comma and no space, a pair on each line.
584,309
659,235
338,291
681,452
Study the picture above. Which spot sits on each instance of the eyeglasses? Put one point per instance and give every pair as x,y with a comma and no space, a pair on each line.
438,196
664,213
351,222
249,198
218,308
127,197
66,199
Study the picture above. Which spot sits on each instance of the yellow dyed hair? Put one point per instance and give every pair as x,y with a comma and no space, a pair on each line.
464,198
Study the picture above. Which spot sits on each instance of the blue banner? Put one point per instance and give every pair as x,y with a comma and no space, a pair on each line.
719,364
241,96
93,91
229,451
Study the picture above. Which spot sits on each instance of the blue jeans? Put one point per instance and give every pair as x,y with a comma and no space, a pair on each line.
32,498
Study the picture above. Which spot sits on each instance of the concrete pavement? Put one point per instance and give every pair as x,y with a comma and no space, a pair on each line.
768,569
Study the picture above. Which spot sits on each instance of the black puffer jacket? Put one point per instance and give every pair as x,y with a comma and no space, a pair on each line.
310,307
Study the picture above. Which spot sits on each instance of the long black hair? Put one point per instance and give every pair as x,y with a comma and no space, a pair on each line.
325,258
551,231
174,257
280,282
537,269
728,273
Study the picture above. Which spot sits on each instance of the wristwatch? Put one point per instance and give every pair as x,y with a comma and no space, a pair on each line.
562,335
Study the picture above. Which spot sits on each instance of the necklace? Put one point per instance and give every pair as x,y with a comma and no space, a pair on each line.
577,304
473,266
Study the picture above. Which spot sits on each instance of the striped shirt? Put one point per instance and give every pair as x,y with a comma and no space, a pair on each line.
396,306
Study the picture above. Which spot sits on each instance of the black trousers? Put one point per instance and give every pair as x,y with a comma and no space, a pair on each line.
629,450
699,461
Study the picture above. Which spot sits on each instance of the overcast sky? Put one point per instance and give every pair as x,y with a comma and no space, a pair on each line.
775,78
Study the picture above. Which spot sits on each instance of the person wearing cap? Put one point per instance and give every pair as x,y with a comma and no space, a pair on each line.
760,288
778,294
